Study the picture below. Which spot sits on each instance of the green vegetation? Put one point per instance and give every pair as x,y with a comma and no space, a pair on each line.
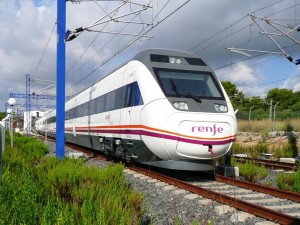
2,115
287,108
35,189
289,181
279,150
250,171
253,151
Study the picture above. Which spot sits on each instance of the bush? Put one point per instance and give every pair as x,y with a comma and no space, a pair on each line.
285,181
283,152
296,185
289,181
251,172
46,190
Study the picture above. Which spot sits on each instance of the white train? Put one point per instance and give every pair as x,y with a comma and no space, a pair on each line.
163,108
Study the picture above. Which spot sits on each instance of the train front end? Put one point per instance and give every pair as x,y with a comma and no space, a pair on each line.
196,120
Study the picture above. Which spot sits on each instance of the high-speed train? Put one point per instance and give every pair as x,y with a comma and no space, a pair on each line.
164,108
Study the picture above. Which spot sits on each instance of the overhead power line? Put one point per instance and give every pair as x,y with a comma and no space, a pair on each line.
142,33
40,61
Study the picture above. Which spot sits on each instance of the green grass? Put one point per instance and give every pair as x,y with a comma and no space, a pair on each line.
45,190
289,181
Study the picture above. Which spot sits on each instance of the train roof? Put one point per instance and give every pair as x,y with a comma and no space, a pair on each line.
144,55
149,57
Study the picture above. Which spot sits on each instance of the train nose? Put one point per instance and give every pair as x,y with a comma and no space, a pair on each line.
200,139
204,139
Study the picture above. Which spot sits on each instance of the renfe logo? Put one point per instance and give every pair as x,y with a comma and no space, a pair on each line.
214,129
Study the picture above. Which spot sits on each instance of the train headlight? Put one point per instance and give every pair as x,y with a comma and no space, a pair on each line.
178,61
181,105
172,60
175,60
220,108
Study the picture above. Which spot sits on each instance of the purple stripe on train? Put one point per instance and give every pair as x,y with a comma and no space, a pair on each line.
158,135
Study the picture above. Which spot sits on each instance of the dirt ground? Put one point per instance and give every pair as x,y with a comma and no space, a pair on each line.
273,139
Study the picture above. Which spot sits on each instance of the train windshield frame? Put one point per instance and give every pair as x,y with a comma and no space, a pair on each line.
188,84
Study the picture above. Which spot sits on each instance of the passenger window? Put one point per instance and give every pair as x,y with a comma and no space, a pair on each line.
100,104
128,96
110,101
137,97
133,95
92,107
119,98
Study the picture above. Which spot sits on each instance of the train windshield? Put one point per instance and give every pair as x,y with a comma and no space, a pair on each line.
189,84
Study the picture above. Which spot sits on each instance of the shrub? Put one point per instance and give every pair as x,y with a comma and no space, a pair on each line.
283,152
296,185
285,181
46,190
237,148
252,172
289,181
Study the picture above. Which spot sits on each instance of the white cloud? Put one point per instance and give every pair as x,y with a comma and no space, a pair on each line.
243,76
26,26
293,81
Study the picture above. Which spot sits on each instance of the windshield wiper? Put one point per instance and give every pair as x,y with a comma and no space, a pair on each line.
174,88
178,94
193,97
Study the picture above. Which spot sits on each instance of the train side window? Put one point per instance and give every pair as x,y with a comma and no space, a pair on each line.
110,101
137,97
128,96
133,95
67,115
119,98
100,104
75,110
72,113
79,111
82,110
85,109
92,107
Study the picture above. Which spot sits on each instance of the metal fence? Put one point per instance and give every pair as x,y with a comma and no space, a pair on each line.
261,115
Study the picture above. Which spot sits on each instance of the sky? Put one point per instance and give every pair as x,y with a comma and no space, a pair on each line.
207,28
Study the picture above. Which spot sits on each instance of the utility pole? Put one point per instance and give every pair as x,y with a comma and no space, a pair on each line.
270,114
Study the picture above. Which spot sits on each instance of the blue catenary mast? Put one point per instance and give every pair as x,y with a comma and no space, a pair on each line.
60,79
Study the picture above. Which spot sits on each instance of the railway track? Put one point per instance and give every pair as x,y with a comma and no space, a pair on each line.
269,163
228,192
272,204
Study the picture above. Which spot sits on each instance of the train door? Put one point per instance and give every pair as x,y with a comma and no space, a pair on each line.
131,113
74,119
126,114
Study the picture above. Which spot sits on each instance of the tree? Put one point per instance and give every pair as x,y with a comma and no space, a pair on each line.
2,115
230,88
237,97
283,96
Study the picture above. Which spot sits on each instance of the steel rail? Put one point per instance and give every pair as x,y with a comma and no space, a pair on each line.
269,163
224,199
260,188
